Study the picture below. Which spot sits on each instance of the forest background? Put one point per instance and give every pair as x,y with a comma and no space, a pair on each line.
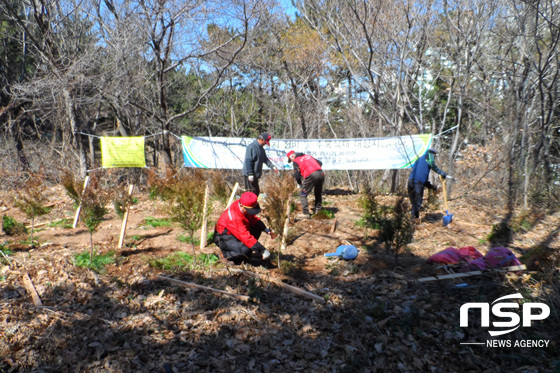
488,70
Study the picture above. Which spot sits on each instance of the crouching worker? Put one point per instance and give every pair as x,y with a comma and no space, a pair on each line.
238,230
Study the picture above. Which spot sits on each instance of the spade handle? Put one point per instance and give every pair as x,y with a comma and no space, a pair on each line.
443,184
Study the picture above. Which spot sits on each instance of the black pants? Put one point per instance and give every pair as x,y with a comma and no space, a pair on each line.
416,195
234,249
252,186
314,181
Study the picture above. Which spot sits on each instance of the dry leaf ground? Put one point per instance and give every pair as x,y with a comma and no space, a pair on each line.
377,317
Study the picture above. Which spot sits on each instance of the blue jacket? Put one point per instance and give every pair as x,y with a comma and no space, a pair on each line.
421,168
255,156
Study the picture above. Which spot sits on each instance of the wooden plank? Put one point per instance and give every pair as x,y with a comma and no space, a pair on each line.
125,219
232,194
204,219
472,273
299,291
77,217
291,288
31,289
38,225
196,286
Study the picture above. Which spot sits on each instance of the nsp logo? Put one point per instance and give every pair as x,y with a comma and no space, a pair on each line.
498,310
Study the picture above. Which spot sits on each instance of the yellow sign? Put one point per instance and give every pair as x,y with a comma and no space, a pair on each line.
122,152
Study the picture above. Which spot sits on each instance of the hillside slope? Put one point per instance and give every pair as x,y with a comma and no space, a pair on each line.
377,316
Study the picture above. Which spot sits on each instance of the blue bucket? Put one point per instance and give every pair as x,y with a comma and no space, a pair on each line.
347,252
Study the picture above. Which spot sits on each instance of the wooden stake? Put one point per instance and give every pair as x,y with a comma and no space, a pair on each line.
204,219
80,206
333,226
32,291
232,194
284,232
472,273
190,284
125,219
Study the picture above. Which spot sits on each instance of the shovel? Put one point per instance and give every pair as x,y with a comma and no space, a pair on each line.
448,218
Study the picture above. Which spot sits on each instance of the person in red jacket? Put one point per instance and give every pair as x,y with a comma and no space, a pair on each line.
238,230
308,168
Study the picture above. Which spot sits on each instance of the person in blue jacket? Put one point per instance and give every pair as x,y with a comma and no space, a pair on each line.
418,179
255,156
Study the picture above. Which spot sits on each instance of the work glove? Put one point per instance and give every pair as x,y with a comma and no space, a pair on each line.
251,178
270,233
258,248
444,175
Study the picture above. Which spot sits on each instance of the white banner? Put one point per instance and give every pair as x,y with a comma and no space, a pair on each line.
336,154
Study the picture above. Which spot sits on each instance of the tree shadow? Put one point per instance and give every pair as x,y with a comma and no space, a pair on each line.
338,192
379,320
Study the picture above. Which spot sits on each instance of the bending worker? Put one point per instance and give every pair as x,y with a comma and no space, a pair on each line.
255,156
308,168
418,179
238,230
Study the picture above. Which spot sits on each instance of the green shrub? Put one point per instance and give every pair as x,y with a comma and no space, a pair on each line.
5,253
323,214
12,227
500,234
62,223
180,260
195,240
525,221
157,222
94,261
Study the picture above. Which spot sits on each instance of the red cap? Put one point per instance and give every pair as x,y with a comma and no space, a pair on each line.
266,137
249,201
290,153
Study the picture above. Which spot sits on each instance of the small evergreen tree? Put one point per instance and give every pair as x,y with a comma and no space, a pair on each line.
186,194
31,199
122,200
395,227
402,225
93,202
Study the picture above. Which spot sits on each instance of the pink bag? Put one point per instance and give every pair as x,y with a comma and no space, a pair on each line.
452,255
496,257
447,256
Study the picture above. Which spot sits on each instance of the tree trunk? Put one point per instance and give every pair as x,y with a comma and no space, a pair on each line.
166,148
76,137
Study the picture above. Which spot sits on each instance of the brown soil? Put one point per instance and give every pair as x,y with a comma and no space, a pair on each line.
377,317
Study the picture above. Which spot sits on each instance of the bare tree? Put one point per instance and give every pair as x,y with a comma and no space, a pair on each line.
61,41
201,37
